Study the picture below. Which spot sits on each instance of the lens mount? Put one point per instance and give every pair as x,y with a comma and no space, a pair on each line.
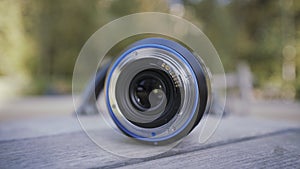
156,91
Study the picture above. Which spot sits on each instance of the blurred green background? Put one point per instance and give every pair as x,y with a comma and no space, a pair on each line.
40,40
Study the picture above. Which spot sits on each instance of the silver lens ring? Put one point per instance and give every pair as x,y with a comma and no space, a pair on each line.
138,59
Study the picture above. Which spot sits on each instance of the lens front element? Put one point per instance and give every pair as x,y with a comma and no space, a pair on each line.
154,89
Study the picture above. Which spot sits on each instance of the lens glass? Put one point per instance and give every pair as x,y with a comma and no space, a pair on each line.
144,84
153,90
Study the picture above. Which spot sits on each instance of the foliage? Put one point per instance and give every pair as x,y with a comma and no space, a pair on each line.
40,40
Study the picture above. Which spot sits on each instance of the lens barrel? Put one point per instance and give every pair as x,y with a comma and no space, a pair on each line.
157,90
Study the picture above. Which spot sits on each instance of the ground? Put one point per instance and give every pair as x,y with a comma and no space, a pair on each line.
41,132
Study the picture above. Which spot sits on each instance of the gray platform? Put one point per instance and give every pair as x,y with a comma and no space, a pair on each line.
239,142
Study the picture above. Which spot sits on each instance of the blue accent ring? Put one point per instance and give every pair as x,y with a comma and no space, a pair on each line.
125,54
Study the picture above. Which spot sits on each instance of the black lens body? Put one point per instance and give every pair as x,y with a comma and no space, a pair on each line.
151,79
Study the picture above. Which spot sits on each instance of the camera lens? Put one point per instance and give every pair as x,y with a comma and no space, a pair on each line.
147,90
157,91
